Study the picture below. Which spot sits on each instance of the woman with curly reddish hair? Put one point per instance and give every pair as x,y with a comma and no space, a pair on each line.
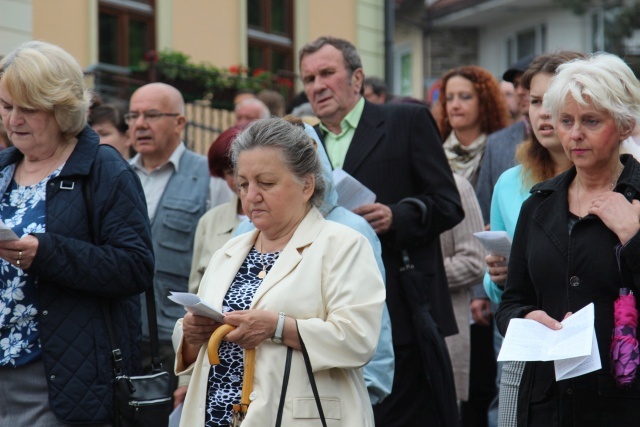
472,108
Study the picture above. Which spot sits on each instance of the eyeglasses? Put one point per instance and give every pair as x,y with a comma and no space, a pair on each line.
147,116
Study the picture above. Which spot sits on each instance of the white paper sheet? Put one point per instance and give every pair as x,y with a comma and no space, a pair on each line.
574,367
529,340
194,305
6,233
496,242
351,192
574,348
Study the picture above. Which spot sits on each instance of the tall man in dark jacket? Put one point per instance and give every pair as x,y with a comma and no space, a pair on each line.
395,150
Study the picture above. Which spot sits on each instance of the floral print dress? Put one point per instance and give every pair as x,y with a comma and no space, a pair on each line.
23,209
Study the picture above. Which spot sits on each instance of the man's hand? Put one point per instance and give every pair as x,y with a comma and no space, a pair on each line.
481,311
378,216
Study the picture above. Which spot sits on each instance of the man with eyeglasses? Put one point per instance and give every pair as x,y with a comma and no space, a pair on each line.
179,190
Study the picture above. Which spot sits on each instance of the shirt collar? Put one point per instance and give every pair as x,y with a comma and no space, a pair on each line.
351,120
174,159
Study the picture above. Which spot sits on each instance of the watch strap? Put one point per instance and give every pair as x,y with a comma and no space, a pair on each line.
277,336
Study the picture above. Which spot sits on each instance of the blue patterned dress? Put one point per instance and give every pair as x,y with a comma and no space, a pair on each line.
224,386
23,209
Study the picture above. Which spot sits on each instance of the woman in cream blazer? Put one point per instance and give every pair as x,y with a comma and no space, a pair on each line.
326,279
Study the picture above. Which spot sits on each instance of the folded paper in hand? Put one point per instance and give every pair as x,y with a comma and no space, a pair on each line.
194,305
6,233
496,242
351,192
574,348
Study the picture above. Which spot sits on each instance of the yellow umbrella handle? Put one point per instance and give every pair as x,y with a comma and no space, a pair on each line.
214,342
249,360
247,380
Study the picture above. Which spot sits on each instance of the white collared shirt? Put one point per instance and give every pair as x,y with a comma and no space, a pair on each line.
155,182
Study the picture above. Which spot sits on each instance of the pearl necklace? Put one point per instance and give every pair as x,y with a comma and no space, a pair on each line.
611,186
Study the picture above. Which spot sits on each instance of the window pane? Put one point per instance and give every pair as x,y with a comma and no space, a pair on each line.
255,12
279,61
256,57
526,43
108,38
279,17
138,41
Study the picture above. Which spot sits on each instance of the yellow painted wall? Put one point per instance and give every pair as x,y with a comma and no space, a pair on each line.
209,31
67,24
359,21
370,36
331,18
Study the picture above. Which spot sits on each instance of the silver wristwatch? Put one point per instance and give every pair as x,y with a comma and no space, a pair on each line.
277,337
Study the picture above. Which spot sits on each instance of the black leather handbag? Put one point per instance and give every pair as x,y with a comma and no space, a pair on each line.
145,400
139,401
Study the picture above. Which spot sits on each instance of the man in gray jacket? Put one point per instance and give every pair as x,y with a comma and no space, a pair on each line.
179,190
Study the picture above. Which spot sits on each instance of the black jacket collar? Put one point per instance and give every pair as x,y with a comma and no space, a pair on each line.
629,179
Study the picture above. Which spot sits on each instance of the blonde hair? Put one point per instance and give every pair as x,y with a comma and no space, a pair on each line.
45,77
602,80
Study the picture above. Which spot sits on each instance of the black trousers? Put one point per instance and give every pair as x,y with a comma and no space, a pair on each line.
482,377
411,403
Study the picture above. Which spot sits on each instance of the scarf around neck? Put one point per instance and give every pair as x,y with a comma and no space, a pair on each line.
465,160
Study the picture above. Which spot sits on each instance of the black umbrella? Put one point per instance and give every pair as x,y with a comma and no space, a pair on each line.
433,349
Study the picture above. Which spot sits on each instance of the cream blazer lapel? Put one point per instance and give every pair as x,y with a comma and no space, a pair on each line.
225,271
237,251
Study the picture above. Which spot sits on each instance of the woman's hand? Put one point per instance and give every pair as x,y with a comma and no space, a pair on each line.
252,327
548,321
19,252
196,330
620,216
497,269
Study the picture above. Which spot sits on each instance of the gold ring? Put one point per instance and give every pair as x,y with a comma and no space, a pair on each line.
18,262
20,255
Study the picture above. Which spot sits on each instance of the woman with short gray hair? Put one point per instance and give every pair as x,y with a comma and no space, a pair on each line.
296,282
577,243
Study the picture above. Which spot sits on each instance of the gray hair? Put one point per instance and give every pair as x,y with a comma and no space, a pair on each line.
297,150
350,55
602,80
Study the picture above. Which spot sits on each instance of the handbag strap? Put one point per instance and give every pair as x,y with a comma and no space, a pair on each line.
285,383
312,380
156,364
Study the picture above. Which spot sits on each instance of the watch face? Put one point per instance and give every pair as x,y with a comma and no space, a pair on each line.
277,340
